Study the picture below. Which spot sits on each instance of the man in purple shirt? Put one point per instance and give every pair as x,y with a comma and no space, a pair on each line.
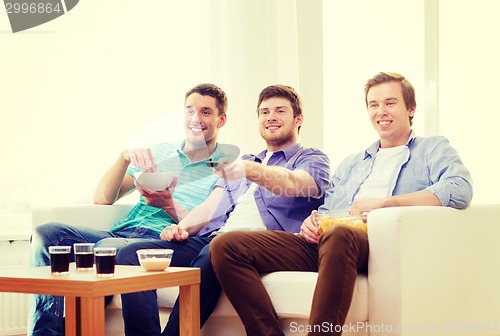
274,190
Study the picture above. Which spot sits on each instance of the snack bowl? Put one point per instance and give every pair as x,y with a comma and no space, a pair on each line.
155,259
157,181
327,219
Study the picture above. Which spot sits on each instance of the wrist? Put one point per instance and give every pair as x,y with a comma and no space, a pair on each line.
387,202
169,208
250,170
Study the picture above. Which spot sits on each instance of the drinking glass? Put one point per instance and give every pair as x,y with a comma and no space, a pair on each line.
105,261
84,256
59,259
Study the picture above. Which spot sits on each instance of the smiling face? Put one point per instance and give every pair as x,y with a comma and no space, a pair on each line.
388,113
202,121
277,125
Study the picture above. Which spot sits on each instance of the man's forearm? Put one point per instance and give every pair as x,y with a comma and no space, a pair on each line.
175,210
282,181
109,189
422,197
201,214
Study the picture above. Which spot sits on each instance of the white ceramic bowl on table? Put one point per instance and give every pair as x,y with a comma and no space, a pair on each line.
155,259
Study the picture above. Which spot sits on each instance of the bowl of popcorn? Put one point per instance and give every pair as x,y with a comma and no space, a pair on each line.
327,219
155,259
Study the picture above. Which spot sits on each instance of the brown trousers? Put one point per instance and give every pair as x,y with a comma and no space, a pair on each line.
239,257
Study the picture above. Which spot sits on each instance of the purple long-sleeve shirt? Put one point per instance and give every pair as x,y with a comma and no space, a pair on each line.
284,213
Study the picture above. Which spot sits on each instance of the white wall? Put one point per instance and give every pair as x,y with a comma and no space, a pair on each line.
75,90
469,88
362,38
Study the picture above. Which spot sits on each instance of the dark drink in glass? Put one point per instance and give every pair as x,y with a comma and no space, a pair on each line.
105,261
59,259
84,256
84,261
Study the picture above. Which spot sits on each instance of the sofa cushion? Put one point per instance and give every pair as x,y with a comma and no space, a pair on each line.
290,292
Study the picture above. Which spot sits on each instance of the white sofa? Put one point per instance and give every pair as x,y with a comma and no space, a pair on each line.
432,271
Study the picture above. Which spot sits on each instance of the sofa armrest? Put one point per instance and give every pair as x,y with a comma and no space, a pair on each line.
435,269
99,217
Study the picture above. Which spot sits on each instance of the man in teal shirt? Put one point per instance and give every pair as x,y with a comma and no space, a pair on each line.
204,115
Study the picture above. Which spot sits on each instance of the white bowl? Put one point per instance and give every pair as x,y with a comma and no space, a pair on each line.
157,181
155,259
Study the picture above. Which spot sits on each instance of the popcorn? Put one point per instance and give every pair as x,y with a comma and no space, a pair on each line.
326,221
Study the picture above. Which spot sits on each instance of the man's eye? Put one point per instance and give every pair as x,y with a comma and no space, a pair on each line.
264,112
189,112
372,106
281,111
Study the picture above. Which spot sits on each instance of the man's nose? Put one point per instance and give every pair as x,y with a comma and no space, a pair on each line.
272,115
381,110
195,117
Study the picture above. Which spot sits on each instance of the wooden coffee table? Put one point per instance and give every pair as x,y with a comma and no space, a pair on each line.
84,293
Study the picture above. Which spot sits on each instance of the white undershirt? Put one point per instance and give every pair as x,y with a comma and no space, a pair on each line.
246,216
376,184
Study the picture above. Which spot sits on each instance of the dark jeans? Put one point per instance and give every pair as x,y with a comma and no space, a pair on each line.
140,310
239,258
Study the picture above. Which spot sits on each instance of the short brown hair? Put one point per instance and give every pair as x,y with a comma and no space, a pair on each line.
213,91
282,91
406,88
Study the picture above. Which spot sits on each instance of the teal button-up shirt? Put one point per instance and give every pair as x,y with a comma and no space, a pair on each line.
195,183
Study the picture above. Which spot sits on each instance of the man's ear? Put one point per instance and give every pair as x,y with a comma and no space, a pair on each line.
222,120
299,119
411,111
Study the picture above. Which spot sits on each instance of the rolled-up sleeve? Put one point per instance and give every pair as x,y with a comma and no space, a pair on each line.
451,181
317,164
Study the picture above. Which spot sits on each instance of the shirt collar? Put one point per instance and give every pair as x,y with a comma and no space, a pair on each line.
180,146
216,155
288,152
224,150
373,149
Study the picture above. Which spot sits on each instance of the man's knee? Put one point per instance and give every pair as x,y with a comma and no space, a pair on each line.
344,240
45,230
222,245
339,236
127,255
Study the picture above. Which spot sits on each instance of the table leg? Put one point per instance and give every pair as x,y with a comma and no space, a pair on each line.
189,300
92,316
70,315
